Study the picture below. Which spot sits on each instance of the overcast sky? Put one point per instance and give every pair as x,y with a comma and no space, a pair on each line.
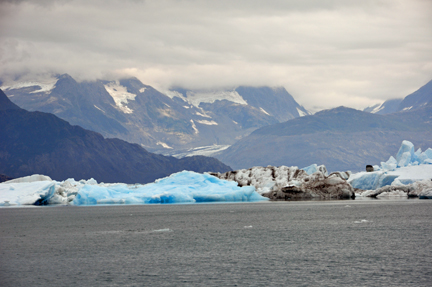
325,53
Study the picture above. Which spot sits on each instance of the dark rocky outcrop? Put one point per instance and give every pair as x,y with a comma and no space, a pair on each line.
290,183
4,178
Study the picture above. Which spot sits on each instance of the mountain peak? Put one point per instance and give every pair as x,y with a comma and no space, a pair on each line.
6,104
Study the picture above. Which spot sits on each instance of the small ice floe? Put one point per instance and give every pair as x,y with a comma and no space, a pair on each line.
249,226
162,230
362,221
347,205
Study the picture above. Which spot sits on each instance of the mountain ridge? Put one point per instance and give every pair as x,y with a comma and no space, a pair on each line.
133,111
41,143
340,138
415,100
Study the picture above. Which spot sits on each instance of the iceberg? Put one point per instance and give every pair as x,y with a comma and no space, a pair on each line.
26,193
286,183
181,187
397,176
405,153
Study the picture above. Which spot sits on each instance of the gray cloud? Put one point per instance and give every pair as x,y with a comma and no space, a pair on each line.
326,54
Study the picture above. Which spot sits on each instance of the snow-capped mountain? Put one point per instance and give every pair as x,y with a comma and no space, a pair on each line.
411,102
388,107
42,143
170,123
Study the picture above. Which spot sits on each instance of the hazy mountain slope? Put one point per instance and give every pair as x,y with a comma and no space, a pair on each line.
389,106
411,102
417,99
36,142
341,138
275,101
138,113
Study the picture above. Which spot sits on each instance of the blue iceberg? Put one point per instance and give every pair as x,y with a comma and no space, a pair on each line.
182,187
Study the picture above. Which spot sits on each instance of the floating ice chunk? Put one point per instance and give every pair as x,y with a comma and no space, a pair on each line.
426,194
406,147
365,180
30,178
428,153
26,193
391,164
182,187
362,221
398,177
314,168
162,230
404,159
311,169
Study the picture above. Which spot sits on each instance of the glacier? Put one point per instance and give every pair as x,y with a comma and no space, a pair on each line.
181,187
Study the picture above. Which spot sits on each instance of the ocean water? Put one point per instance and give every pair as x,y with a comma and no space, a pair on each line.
306,243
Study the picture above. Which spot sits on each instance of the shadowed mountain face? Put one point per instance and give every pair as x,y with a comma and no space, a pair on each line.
341,138
411,102
37,142
138,113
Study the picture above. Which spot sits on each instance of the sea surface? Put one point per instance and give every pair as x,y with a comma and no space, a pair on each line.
301,243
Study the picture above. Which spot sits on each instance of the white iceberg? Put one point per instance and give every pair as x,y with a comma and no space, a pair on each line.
182,187
400,174
26,193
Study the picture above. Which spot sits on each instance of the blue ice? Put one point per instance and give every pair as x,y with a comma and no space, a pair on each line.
182,187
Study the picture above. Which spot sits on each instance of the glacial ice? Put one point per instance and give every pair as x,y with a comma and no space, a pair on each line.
405,170
26,193
314,168
181,187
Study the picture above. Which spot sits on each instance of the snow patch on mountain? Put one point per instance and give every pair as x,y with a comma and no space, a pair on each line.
46,85
301,113
99,109
203,150
209,123
407,108
120,96
196,97
377,109
164,145
262,110
194,127
202,115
